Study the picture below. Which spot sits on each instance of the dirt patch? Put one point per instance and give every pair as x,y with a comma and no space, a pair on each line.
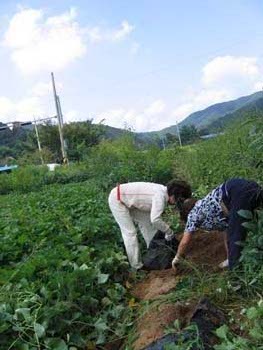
152,324
155,284
207,248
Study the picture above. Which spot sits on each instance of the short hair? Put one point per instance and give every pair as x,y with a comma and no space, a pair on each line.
186,207
179,188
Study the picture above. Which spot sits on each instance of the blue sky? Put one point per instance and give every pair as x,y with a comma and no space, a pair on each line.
144,64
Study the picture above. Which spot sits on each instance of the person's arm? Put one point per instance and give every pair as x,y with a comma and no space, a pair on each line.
184,243
158,206
192,224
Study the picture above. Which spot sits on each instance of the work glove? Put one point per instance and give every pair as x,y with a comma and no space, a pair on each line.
175,262
224,264
169,235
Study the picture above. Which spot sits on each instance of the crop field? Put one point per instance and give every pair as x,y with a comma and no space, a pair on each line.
65,283
61,268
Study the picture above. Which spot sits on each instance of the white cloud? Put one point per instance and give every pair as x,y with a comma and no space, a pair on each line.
156,107
41,89
150,118
134,48
258,86
183,111
24,109
44,44
121,33
223,78
229,69
71,116
98,34
199,101
6,106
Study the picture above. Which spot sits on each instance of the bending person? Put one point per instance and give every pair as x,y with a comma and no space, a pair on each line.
144,203
219,211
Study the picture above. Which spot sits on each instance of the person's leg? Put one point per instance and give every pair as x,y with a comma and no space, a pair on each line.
236,234
245,197
225,263
145,225
122,216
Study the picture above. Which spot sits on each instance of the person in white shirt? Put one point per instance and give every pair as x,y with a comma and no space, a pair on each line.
143,203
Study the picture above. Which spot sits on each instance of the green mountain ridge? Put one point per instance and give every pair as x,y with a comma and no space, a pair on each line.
202,119
212,119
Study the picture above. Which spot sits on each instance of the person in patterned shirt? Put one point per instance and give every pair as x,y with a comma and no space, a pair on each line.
219,211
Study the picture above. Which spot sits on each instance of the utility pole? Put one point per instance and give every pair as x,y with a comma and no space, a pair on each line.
163,142
60,121
38,142
178,133
12,125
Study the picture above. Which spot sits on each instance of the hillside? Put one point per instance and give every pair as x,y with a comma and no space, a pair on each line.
201,119
212,118
252,109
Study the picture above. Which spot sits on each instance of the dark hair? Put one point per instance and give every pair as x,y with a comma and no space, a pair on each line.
179,188
185,207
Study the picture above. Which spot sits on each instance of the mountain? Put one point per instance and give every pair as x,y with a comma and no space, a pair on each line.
252,109
212,119
201,119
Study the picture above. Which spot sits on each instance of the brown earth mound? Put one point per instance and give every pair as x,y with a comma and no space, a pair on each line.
152,324
206,250
155,284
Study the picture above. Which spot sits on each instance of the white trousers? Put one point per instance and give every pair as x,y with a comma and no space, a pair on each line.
126,219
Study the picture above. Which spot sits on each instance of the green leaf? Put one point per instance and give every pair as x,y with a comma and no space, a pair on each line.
256,333
83,267
103,278
252,313
39,330
25,312
56,344
222,331
245,214
260,240
22,346
101,325
250,225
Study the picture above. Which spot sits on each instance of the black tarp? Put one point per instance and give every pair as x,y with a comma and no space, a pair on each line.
160,253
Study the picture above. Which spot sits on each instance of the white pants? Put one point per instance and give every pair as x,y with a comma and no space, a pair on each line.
126,218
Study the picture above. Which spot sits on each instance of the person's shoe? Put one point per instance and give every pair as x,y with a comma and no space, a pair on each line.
224,264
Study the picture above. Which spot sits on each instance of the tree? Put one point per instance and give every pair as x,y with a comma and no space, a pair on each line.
80,136
189,134
171,139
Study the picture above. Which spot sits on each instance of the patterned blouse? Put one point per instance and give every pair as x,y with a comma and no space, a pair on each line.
207,213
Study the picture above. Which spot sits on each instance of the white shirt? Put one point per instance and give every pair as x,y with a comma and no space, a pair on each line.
146,196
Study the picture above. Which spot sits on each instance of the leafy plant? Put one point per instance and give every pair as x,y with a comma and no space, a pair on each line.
252,329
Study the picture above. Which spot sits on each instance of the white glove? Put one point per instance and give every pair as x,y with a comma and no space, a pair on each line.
169,235
175,262
224,264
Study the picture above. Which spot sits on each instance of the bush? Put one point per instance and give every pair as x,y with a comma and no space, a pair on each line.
211,162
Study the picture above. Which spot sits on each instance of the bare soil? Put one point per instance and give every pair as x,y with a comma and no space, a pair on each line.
206,250
152,325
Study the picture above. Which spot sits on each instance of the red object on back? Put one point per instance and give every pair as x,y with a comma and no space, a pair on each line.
118,192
